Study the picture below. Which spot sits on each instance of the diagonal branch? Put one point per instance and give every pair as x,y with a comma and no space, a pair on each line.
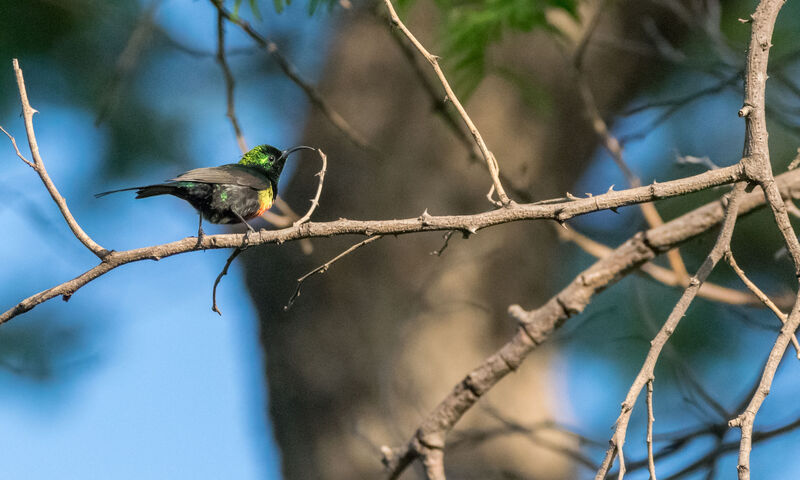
325,266
491,162
230,82
38,165
761,295
290,71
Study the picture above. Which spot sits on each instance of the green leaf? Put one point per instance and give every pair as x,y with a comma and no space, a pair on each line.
254,9
472,26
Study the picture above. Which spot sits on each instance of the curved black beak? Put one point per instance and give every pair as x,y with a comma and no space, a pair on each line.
287,152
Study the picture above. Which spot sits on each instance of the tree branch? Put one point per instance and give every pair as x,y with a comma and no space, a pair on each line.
290,71
536,326
38,165
491,162
230,82
467,224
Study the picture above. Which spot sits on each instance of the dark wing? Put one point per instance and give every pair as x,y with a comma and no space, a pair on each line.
233,173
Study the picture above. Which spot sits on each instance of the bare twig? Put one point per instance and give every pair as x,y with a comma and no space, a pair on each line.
230,82
38,165
290,71
16,149
325,266
315,201
224,272
761,296
441,249
657,344
651,464
488,156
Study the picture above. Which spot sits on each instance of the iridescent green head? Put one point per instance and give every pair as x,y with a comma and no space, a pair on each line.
265,156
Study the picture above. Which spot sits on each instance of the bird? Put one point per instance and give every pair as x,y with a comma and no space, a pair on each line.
231,193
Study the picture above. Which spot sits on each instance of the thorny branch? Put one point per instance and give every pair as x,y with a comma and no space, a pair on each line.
657,344
38,165
467,224
488,156
758,169
536,326
325,266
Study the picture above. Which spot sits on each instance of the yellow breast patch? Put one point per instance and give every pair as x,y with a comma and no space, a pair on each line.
265,200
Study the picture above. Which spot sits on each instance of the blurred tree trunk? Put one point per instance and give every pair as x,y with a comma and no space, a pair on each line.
373,344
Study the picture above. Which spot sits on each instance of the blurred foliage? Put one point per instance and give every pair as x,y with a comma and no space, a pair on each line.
470,27
280,5
71,54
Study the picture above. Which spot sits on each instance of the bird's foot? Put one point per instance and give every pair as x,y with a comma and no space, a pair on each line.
246,240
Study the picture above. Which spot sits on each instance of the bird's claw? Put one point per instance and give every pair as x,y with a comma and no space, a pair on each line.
200,236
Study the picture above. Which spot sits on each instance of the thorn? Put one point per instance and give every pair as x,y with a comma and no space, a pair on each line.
572,197
588,195
425,218
745,20
610,189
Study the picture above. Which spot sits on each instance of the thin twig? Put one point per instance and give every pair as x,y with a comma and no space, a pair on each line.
441,249
491,162
324,268
224,272
230,82
657,344
651,464
451,117
27,114
290,71
16,149
315,201
761,296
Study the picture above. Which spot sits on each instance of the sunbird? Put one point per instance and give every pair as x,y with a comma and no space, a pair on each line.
232,193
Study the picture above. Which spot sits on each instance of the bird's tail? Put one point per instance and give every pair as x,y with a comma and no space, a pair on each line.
143,192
